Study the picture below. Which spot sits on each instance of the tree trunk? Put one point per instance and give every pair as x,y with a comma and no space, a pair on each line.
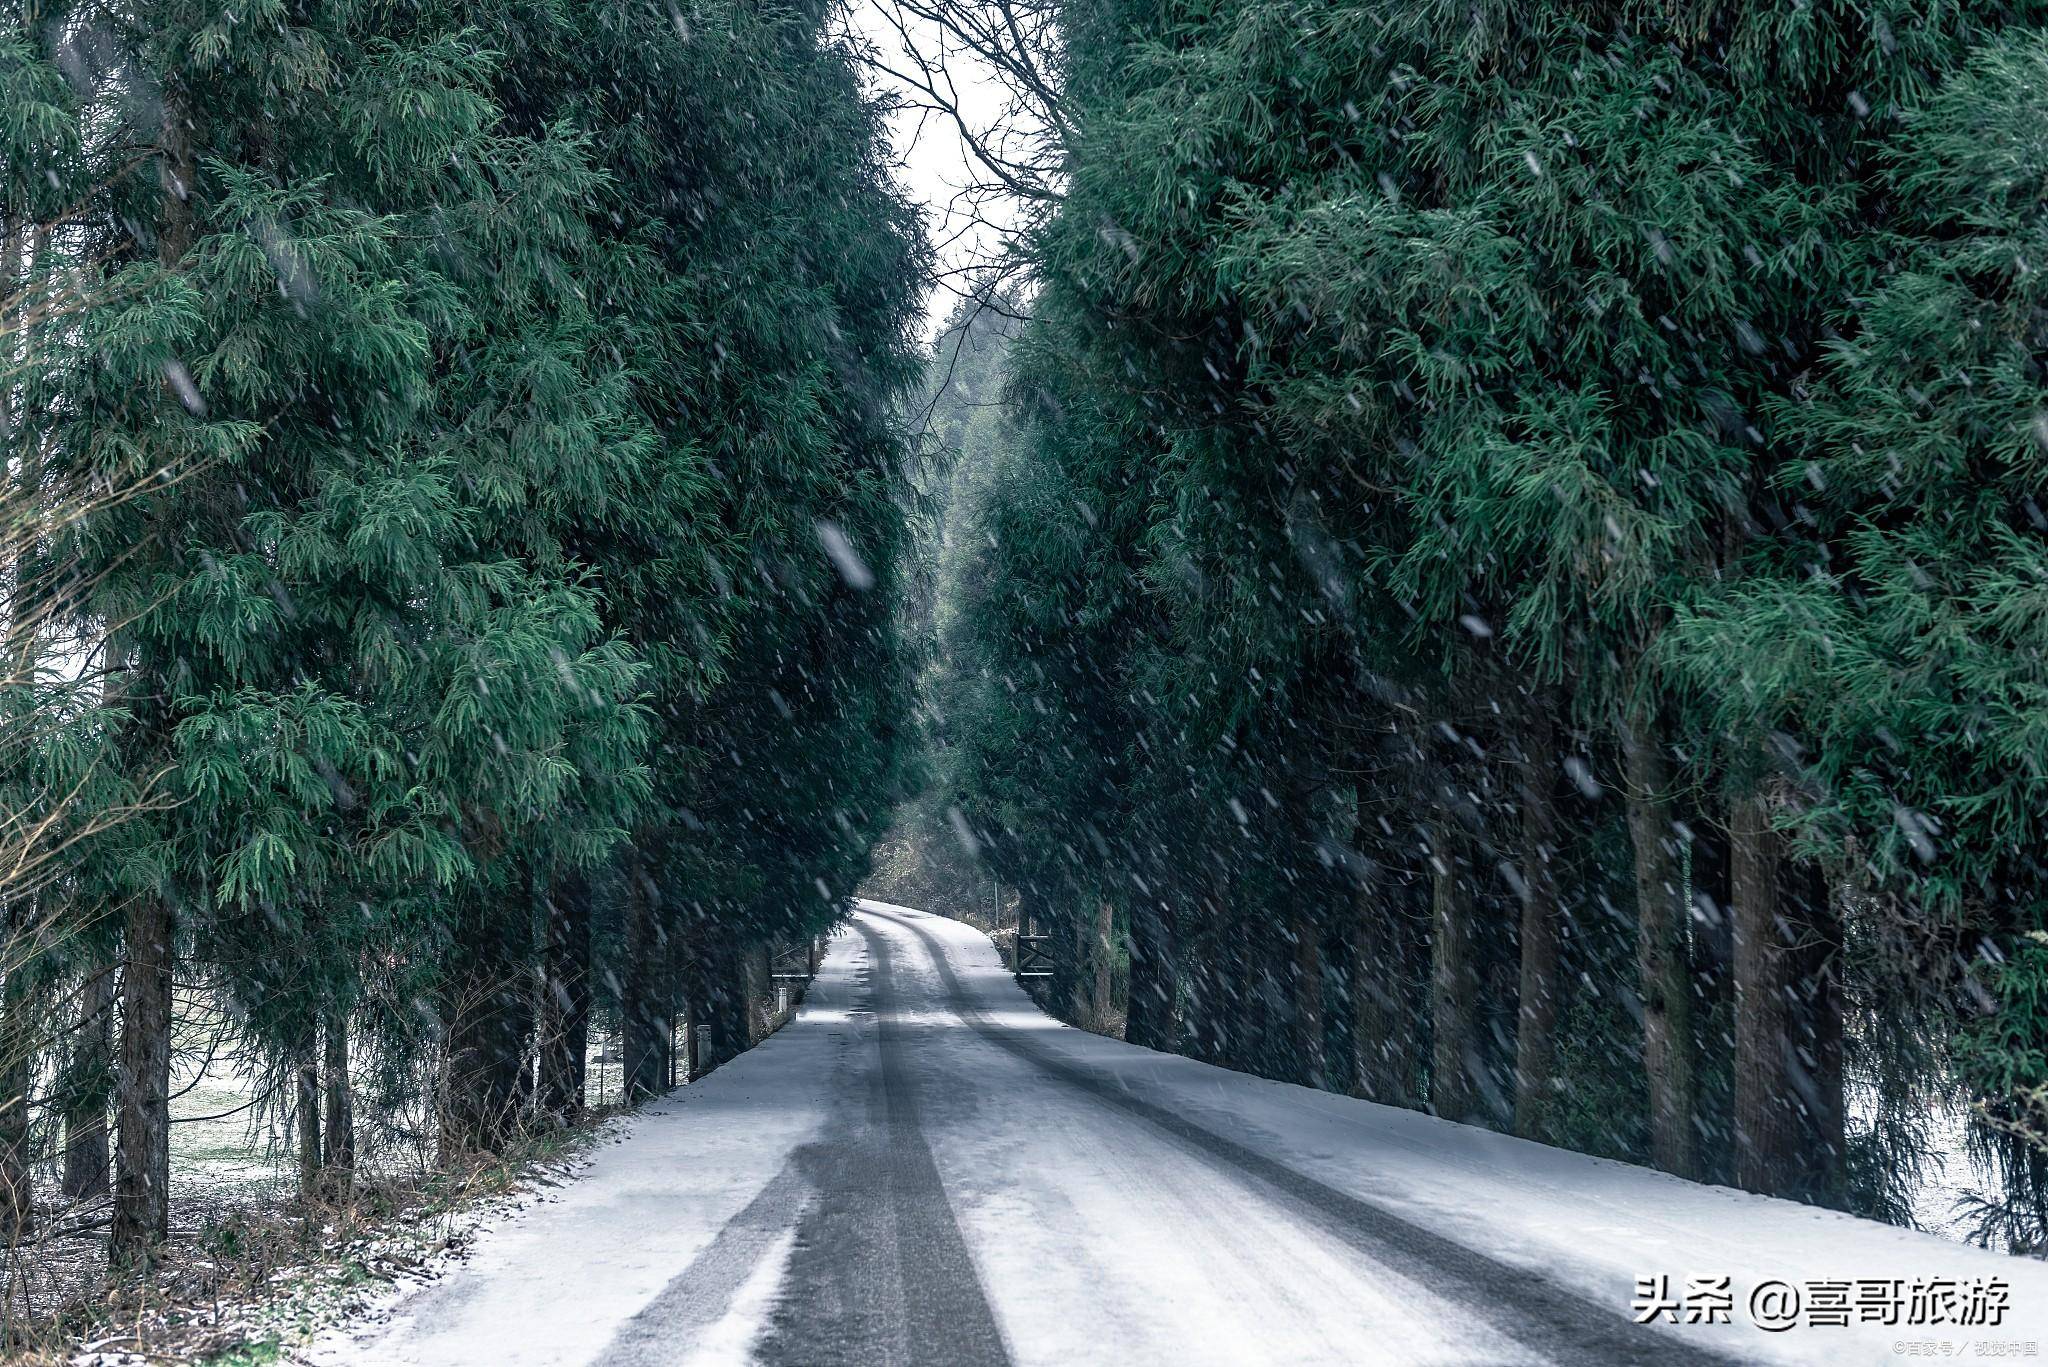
717,1004
19,933
1155,978
1211,1007
338,1149
1104,960
88,1075
1083,977
1819,969
306,1120
1307,975
142,1158
1090,1001
1766,1123
1538,998
1198,1017
17,1195
760,971
17,1066
142,1155
1386,1031
1340,1059
1256,1004
644,1009
1661,961
1713,964
566,1040
1454,978
1826,1170
17,1203
486,1043
522,1011
468,1122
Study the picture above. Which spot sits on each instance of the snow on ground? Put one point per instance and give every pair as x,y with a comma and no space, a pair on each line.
555,1283
922,1153
1590,1222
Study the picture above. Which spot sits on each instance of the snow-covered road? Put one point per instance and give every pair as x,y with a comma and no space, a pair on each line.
923,1168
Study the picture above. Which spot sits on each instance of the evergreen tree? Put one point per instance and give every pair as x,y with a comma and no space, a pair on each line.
482,417
1461,407
1895,657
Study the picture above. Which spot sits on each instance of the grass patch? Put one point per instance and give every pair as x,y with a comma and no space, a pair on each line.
253,1276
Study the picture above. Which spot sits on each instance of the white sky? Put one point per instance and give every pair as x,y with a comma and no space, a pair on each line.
933,159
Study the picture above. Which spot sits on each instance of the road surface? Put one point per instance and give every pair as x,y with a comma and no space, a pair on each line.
923,1168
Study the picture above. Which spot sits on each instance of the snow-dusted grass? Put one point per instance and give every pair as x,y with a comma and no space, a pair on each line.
261,1274
246,1269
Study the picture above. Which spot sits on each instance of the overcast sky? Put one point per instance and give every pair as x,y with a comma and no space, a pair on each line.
934,161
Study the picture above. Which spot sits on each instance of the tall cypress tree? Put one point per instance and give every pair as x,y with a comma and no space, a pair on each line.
1457,397
1895,654
350,682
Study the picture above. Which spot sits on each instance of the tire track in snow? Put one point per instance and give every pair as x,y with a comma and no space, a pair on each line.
1541,1314
880,1272
696,1299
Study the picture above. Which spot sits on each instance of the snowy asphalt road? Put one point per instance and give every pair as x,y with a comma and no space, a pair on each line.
923,1168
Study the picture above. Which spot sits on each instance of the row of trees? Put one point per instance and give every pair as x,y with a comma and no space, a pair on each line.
1517,584
452,517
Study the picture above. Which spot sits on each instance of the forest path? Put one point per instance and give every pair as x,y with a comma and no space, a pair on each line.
924,1168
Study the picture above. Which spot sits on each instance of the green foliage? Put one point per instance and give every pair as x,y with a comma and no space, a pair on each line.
476,388
1402,375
